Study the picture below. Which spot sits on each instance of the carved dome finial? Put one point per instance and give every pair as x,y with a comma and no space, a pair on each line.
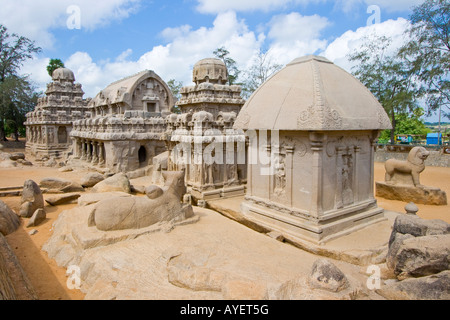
210,70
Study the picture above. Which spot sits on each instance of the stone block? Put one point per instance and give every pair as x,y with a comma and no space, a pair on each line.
405,193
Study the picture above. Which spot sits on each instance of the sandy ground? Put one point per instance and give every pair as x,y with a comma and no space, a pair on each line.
49,280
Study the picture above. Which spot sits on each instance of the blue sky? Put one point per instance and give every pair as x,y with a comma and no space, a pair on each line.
117,38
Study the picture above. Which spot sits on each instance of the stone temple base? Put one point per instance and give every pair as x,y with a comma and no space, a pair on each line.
406,193
220,193
331,226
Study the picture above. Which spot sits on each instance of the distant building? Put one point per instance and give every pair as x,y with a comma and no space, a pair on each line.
127,126
49,126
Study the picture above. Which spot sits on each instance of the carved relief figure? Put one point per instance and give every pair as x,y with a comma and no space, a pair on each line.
347,181
280,175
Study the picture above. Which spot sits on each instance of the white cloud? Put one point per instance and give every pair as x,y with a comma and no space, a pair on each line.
42,16
174,60
394,5
350,41
294,27
294,35
349,6
217,6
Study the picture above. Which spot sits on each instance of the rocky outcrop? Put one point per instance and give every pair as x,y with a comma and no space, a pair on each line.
9,221
434,287
62,199
38,217
118,182
327,276
14,283
419,256
423,195
91,179
58,185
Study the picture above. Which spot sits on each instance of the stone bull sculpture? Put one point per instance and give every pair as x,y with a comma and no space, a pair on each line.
160,205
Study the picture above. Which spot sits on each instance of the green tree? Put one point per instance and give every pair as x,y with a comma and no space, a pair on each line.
387,76
233,71
53,65
429,52
15,90
260,71
18,97
408,124
175,87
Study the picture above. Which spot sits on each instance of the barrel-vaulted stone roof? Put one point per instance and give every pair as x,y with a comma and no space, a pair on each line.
312,94
121,91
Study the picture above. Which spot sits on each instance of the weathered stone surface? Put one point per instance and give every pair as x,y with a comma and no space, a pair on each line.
91,198
73,187
54,183
17,155
138,189
325,275
8,164
421,256
191,272
405,193
91,179
38,217
65,169
62,199
9,221
4,156
60,185
394,245
32,199
14,283
153,192
299,289
417,227
244,290
434,287
118,182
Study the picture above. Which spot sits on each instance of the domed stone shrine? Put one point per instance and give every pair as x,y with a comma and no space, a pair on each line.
210,70
312,129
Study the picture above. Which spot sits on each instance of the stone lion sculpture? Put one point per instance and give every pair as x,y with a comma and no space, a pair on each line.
160,205
413,166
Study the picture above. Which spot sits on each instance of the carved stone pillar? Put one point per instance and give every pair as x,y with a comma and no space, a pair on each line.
356,176
339,167
77,149
289,173
95,152
83,150
317,142
89,151
101,155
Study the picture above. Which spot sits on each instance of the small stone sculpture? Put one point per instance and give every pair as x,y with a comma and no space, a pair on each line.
32,199
403,181
413,166
160,205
